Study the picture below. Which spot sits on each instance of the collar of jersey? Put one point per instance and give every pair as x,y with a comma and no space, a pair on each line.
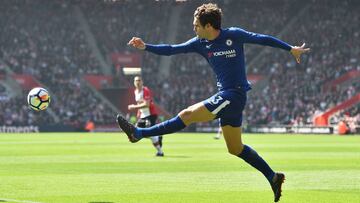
219,36
216,39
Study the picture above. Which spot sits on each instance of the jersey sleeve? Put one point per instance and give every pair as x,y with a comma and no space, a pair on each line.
147,94
166,49
255,38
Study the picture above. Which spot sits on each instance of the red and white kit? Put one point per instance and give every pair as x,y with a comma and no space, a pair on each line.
145,95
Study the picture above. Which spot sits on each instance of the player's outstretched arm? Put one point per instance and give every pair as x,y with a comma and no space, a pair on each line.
267,40
137,43
163,49
297,51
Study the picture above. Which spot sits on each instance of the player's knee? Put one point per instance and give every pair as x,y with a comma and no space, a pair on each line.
185,112
233,152
236,150
186,115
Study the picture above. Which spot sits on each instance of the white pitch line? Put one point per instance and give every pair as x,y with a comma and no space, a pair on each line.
17,201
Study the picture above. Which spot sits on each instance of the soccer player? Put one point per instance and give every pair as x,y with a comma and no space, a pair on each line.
224,51
147,114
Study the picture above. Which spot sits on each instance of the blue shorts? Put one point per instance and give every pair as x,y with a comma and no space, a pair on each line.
227,105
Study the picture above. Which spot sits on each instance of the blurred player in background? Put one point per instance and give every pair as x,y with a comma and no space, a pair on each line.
219,132
146,114
224,50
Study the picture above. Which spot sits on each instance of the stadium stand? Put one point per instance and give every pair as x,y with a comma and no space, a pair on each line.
294,91
52,48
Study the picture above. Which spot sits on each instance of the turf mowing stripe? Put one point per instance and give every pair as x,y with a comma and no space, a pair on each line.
17,201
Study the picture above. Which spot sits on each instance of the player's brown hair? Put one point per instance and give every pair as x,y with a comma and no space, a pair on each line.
209,13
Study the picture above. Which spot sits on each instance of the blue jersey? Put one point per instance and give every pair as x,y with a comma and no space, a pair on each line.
225,54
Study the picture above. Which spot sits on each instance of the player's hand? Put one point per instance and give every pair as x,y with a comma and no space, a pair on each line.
131,107
297,51
137,43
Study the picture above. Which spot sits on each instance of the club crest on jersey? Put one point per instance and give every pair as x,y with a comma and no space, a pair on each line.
229,42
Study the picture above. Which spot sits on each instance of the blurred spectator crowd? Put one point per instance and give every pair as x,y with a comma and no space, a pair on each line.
42,38
51,46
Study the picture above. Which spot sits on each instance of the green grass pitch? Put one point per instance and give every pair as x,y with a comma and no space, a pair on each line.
106,168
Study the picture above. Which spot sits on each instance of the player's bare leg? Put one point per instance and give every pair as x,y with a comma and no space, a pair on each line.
233,140
195,113
236,147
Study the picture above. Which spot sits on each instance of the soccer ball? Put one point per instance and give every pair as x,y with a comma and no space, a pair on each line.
38,99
